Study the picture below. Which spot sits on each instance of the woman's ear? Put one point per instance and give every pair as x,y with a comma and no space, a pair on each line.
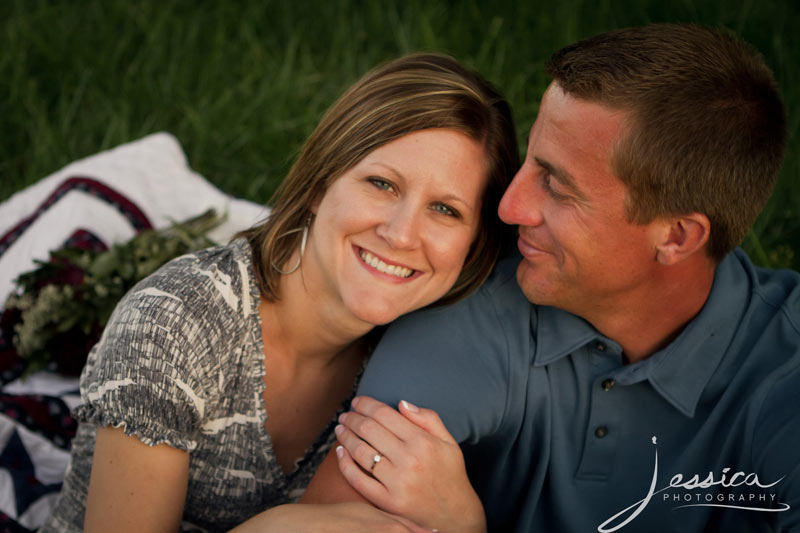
683,237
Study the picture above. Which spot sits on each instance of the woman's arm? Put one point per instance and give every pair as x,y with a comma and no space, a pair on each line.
352,517
139,488
135,487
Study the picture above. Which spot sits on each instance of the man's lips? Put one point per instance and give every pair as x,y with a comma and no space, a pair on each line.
528,249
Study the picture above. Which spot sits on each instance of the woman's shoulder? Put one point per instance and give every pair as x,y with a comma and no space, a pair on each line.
215,280
170,341
191,314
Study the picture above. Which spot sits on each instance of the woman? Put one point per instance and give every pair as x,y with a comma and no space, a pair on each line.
214,391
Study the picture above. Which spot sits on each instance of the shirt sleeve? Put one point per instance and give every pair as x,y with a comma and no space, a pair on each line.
776,448
143,375
456,360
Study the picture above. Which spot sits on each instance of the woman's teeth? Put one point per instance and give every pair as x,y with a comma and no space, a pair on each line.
380,266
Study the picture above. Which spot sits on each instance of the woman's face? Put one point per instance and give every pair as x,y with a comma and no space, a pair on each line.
392,233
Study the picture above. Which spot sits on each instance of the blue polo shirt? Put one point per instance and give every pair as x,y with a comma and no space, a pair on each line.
559,434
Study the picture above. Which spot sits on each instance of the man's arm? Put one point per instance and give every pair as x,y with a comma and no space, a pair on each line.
404,367
443,359
775,445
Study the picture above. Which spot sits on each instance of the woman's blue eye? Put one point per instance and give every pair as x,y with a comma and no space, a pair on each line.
445,210
381,184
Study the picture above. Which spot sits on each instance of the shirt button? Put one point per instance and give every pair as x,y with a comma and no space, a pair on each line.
608,384
600,347
600,432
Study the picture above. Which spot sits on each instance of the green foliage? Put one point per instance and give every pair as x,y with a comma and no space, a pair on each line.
242,83
61,307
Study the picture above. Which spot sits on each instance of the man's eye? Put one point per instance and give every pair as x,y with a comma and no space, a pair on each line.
549,189
546,182
381,183
446,210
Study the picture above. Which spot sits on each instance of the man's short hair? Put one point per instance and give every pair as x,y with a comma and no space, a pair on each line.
707,125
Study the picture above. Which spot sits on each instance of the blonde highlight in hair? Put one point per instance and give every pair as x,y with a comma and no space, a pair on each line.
413,93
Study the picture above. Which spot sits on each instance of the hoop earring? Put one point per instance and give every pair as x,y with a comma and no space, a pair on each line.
303,241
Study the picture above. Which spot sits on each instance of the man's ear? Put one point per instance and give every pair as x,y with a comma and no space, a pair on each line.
682,237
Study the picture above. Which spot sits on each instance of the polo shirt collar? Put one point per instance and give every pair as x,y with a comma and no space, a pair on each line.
558,333
679,372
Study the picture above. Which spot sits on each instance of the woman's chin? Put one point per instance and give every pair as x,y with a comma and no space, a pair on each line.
379,314
377,317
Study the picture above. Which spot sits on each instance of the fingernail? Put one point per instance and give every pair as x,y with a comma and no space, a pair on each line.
342,418
339,452
354,402
338,429
410,406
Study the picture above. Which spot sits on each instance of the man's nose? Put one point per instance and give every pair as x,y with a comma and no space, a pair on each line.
521,203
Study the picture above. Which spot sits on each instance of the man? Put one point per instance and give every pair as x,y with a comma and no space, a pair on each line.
647,376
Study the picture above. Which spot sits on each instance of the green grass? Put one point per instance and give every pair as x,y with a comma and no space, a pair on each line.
241,84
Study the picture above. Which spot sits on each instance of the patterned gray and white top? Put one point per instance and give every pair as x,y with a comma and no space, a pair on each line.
181,362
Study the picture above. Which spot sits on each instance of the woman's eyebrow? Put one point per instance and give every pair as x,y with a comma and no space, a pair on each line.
390,168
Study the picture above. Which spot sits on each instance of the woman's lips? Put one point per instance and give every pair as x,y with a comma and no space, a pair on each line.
382,265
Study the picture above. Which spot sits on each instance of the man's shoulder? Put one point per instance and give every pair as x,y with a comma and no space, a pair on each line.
504,275
497,306
501,293
777,290
765,349
445,357
503,279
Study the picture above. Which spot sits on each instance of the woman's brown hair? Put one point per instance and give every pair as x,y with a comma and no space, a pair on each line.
413,93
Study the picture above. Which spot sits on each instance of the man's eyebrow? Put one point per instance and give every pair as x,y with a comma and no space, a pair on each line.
563,177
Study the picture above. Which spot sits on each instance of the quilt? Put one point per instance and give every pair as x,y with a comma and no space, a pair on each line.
91,203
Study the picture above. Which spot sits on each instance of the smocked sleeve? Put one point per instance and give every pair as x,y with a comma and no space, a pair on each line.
144,374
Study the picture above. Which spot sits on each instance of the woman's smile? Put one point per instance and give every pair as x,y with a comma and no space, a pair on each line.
381,265
403,216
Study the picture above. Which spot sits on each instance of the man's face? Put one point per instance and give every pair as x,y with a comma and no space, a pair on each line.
580,252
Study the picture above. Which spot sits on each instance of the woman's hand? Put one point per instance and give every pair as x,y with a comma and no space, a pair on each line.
408,464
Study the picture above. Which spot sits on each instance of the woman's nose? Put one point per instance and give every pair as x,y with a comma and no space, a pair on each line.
401,227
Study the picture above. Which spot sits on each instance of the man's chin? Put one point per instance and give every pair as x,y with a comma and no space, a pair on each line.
536,289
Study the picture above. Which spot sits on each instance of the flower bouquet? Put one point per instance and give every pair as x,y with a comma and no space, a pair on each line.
58,310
